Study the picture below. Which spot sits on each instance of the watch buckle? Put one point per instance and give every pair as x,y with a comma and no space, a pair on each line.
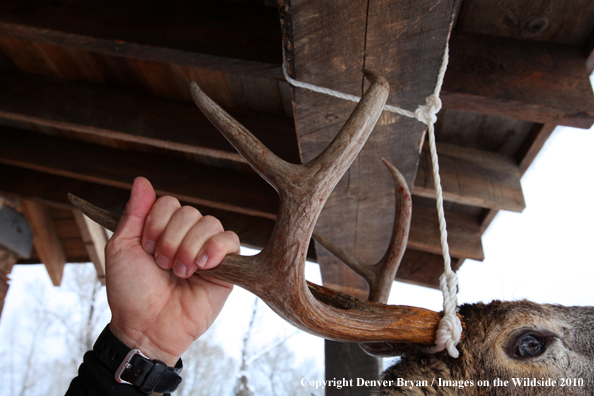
126,365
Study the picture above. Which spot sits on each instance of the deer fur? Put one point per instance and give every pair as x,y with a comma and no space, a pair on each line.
487,353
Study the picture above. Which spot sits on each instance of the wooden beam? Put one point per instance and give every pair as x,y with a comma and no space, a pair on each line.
123,115
464,234
53,190
532,145
186,180
47,242
383,36
253,231
95,239
472,177
528,80
589,53
230,37
422,268
7,261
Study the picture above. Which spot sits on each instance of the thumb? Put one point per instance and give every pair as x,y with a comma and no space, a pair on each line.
138,207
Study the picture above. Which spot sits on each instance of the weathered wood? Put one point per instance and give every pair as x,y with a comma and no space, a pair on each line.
359,213
472,177
53,190
122,115
561,21
7,261
188,181
47,242
464,236
532,145
253,231
533,81
589,53
485,132
233,37
95,238
360,365
423,269
15,233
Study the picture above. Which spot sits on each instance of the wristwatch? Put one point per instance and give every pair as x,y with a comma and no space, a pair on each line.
132,367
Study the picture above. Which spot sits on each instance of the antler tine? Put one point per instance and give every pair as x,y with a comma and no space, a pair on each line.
379,277
277,273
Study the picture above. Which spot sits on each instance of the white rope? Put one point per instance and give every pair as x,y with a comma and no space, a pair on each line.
449,330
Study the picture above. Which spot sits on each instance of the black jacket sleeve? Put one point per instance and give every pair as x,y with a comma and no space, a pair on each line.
95,379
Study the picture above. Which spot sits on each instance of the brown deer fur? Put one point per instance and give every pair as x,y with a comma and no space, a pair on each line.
486,353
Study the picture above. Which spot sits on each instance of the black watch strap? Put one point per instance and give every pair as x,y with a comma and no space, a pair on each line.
131,367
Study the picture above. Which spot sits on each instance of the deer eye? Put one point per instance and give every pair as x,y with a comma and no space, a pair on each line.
529,344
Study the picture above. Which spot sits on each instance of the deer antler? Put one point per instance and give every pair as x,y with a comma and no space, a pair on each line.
276,274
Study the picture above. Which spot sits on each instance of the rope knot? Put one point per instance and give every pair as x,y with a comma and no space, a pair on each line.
447,336
427,113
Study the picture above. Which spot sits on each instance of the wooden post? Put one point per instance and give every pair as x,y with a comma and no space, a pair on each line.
362,366
327,44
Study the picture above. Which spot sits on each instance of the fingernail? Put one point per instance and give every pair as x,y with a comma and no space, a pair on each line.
202,260
180,270
149,247
162,261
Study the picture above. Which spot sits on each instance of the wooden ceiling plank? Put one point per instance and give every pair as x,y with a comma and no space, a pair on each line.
123,115
472,177
47,242
404,42
95,239
52,190
422,268
532,145
464,234
188,181
533,81
231,37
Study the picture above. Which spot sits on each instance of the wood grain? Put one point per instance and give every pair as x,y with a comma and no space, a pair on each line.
95,239
472,177
359,213
123,115
7,261
232,37
188,181
47,242
532,81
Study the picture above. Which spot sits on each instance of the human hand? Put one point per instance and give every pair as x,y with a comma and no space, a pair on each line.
157,305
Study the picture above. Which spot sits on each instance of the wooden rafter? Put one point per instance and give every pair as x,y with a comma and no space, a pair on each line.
95,239
472,177
188,181
126,116
237,39
533,81
47,242
7,260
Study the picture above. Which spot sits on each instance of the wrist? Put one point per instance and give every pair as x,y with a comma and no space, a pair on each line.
138,340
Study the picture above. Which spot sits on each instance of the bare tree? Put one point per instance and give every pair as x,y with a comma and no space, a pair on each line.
207,370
